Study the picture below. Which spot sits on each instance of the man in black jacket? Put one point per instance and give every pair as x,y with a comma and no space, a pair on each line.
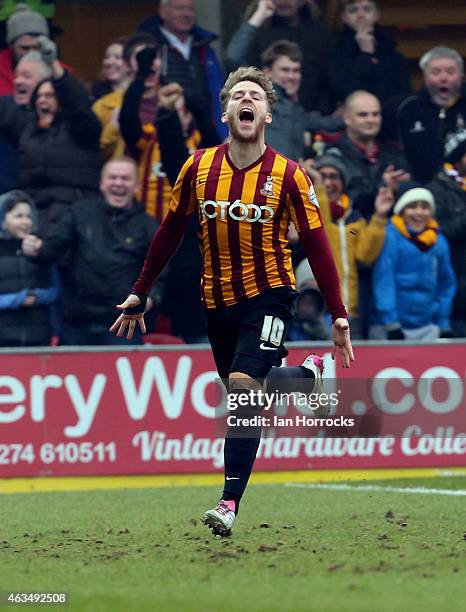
365,57
108,237
428,118
369,162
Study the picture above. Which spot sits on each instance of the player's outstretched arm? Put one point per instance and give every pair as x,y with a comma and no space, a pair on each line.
342,341
133,314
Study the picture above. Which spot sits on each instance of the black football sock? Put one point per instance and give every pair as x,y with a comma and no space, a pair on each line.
241,444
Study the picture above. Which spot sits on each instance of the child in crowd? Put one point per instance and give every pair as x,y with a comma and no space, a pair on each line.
309,321
414,283
28,287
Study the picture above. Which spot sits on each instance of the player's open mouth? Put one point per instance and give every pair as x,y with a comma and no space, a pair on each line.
246,115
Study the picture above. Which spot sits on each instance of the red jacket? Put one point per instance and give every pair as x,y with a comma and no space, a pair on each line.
7,72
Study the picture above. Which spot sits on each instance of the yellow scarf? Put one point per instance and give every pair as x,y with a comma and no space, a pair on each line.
453,173
425,239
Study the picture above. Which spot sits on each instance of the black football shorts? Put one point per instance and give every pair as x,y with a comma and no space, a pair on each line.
249,336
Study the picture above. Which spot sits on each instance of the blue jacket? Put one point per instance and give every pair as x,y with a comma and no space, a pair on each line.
214,74
412,287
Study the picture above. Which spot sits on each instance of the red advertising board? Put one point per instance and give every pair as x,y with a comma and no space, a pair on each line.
150,411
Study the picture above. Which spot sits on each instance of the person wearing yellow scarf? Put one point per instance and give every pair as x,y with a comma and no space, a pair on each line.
353,240
414,283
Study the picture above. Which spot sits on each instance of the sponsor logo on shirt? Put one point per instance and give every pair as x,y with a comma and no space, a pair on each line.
237,210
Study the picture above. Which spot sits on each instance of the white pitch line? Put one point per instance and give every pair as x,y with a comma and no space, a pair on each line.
347,487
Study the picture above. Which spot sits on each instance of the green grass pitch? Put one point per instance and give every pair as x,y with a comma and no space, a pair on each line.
292,549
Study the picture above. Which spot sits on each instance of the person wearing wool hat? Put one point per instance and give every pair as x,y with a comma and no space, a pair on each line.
23,29
414,283
353,240
308,323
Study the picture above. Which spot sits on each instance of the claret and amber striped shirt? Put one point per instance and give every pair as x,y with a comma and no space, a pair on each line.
244,218
155,188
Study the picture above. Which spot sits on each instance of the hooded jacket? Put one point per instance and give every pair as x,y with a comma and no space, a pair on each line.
412,287
21,276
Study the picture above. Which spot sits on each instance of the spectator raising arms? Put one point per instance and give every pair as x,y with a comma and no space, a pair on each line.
188,58
295,20
58,143
141,106
28,288
29,71
23,29
161,142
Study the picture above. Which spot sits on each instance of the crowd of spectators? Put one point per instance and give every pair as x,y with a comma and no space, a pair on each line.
86,170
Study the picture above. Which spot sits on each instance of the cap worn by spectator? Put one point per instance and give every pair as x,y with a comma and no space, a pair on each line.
25,21
334,162
455,146
416,194
306,284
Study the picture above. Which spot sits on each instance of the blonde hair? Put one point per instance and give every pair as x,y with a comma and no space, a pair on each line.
248,73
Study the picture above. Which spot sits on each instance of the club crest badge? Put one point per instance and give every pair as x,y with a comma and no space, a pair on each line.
417,127
267,189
